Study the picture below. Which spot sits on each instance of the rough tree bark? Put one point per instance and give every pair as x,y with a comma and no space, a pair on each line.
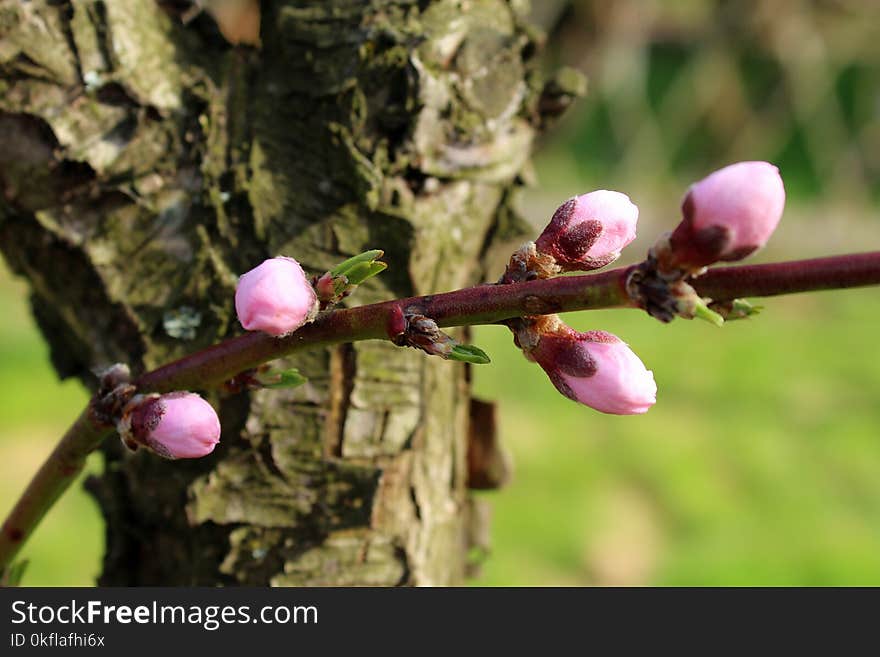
144,164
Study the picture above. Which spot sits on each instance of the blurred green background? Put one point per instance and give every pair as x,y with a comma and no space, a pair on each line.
760,463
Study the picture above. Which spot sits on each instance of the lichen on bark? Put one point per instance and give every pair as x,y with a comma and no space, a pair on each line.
149,162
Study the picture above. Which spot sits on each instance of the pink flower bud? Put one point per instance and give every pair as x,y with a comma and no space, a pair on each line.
275,297
588,231
729,214
597,369
177,425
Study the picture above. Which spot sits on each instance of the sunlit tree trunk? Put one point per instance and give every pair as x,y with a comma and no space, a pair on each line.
145,163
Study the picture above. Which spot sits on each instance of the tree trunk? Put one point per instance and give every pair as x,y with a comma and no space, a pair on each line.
146,163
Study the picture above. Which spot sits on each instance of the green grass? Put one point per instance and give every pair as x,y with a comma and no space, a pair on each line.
758,465
35,409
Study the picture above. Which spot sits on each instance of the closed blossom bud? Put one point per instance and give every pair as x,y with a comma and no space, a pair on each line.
589,231
176,425
597,369
275,297
728,215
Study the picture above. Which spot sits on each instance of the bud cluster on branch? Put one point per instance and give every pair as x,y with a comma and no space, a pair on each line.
726,216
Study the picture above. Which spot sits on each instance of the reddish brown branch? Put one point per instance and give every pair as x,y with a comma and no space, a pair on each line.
484,304
488,304
853,270
57,472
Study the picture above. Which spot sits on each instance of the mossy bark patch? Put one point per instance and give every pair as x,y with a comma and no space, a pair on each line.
149,163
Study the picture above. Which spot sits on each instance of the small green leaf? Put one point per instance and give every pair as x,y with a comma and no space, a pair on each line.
468,353
741,309
361,272
702,311
284,379
343,268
